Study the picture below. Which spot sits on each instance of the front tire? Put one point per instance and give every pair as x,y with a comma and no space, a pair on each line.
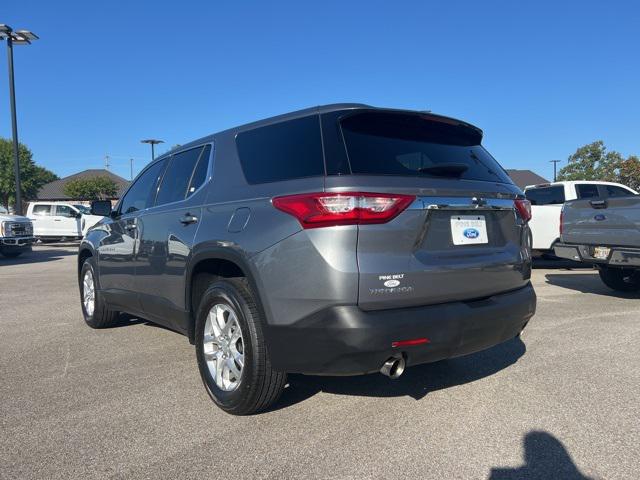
620,279
94,309
231,351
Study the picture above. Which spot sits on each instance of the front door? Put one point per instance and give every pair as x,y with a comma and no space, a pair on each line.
67,221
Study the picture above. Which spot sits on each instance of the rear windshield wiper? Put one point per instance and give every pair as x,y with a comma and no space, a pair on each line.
449,169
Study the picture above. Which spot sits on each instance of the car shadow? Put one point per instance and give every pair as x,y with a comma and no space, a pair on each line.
545,457
586,283
559,263
38,256
416,382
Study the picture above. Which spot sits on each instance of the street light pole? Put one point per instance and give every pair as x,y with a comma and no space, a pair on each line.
14,126
21,37
152,142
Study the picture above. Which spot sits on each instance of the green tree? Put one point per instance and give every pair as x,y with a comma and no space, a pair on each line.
629,173
93,188
592,162
32,176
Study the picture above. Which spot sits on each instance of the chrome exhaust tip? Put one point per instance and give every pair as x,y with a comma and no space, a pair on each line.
393,367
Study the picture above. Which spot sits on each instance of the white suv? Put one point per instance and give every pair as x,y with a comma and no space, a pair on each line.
547,200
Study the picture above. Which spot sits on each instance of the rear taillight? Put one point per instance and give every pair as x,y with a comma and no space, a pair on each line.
315,210
523,206
561,220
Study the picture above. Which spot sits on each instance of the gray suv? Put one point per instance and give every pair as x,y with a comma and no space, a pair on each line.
337,240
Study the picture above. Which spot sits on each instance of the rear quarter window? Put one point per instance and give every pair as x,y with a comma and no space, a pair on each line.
282,151
545,195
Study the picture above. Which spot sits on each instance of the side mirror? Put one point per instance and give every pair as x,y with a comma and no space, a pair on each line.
101,208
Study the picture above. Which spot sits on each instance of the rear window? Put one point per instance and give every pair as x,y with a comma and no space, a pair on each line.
382,143
282,151
587,190
545,195
42,209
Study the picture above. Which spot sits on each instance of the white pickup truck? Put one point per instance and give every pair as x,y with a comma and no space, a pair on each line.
16,234
56,220
546,204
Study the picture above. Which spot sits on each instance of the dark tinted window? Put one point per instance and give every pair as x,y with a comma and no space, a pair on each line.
177,176
142,192
545,195
614,191
587,190
380,143
200,173
42,210
282,151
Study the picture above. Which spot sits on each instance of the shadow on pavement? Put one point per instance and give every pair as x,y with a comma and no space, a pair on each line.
38,255
559,263
416,382
545,457
586,283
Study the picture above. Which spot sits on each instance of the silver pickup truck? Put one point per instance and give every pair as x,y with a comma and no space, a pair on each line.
16,234
605,233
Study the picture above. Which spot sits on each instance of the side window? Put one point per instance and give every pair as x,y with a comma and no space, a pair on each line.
545,195
63,211
614,191
200,173
142,192
282,151
587,190
42,210
176,179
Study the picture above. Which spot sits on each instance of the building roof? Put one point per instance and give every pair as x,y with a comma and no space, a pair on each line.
522,178
55,190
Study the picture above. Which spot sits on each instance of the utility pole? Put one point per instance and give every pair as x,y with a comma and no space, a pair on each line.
555,163
106,162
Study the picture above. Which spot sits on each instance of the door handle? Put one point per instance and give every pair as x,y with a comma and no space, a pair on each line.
598,203
57,220
188,219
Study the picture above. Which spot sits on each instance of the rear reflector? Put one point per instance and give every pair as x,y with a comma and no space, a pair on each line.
523,207
410,343
315,210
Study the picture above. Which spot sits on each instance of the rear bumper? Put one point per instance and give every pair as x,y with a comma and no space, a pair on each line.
618,257
17,241
345,340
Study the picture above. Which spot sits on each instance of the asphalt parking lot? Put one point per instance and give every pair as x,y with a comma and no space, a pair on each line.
559,402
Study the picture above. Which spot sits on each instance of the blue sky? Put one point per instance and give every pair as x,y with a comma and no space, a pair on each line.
540,78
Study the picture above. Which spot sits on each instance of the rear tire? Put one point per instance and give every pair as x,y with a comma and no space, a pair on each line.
248,385
620,279
96,314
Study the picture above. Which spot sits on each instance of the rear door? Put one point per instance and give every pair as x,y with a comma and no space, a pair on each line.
42,219
166,234
460,239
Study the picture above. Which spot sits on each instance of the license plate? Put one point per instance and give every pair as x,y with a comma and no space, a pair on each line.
601,253
469,229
